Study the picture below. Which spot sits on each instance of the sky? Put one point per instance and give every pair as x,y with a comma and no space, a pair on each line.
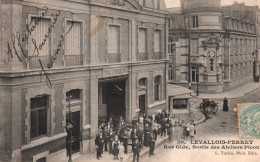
176,3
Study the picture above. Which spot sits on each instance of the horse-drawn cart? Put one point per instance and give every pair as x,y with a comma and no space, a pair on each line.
208,105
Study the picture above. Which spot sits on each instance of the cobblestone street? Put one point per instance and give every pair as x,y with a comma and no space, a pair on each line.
222,125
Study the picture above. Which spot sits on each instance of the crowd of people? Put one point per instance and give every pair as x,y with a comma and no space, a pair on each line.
116,135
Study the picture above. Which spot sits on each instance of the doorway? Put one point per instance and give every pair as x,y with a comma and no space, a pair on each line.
142,103
112,100
75,133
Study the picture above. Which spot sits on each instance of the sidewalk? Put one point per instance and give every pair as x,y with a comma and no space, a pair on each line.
106,157
235,93
197,116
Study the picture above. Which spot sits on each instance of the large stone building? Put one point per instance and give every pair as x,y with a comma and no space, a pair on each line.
213,47
98,58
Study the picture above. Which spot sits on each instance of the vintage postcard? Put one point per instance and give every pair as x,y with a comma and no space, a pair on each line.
129,80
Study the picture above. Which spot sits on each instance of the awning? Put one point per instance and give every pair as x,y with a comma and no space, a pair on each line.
175,90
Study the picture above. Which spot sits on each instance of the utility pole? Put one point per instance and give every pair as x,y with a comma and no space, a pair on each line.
69,127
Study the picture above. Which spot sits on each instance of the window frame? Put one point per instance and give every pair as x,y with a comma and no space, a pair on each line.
119,39
81,36
47,107
196,75
76,101
146,40
181,108
157,96
195,21
159,41
170,72
29,41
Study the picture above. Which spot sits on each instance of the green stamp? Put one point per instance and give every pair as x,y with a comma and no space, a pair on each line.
249,120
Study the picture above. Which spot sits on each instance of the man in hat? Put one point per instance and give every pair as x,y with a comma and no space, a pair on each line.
106,137
111,136
125,140
151,144
140,135
99,141
136,150
133,135
155,128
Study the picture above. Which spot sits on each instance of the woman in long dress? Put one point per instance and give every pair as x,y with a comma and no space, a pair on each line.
147,132
225,104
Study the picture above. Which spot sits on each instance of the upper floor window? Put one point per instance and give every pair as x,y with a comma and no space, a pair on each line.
157,87
170,72
142,40
40,37
73,38
194,46
39,109
113,39
195,21
171,47
157,46
194,74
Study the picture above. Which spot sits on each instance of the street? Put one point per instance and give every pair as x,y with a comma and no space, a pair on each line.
222,125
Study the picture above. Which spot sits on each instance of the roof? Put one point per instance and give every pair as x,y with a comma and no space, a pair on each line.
175,90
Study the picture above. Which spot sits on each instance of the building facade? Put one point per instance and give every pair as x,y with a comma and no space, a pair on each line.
96,59
212,46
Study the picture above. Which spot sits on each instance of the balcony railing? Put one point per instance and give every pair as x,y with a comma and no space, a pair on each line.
113,57
157,55
33,61
142,56
73,60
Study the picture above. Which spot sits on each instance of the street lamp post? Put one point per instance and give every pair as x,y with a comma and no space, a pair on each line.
69,127
198,78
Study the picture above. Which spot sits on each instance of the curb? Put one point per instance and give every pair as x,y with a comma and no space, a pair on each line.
239,96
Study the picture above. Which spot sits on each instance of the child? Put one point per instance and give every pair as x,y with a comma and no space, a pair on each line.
115,145
121,151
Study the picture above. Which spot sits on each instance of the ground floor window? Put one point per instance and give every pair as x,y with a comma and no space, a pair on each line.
180,103
41,159
39,111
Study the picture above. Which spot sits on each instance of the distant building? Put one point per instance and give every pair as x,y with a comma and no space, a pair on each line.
109,56
213,46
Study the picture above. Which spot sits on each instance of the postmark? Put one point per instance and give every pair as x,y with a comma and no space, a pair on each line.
249,120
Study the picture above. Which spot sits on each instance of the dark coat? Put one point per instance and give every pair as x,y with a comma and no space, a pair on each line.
133,135
136,147
99,141
225,104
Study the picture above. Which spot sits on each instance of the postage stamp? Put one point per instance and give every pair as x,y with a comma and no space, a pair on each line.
249,120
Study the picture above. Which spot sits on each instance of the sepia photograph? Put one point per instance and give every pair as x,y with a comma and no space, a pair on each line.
129,80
